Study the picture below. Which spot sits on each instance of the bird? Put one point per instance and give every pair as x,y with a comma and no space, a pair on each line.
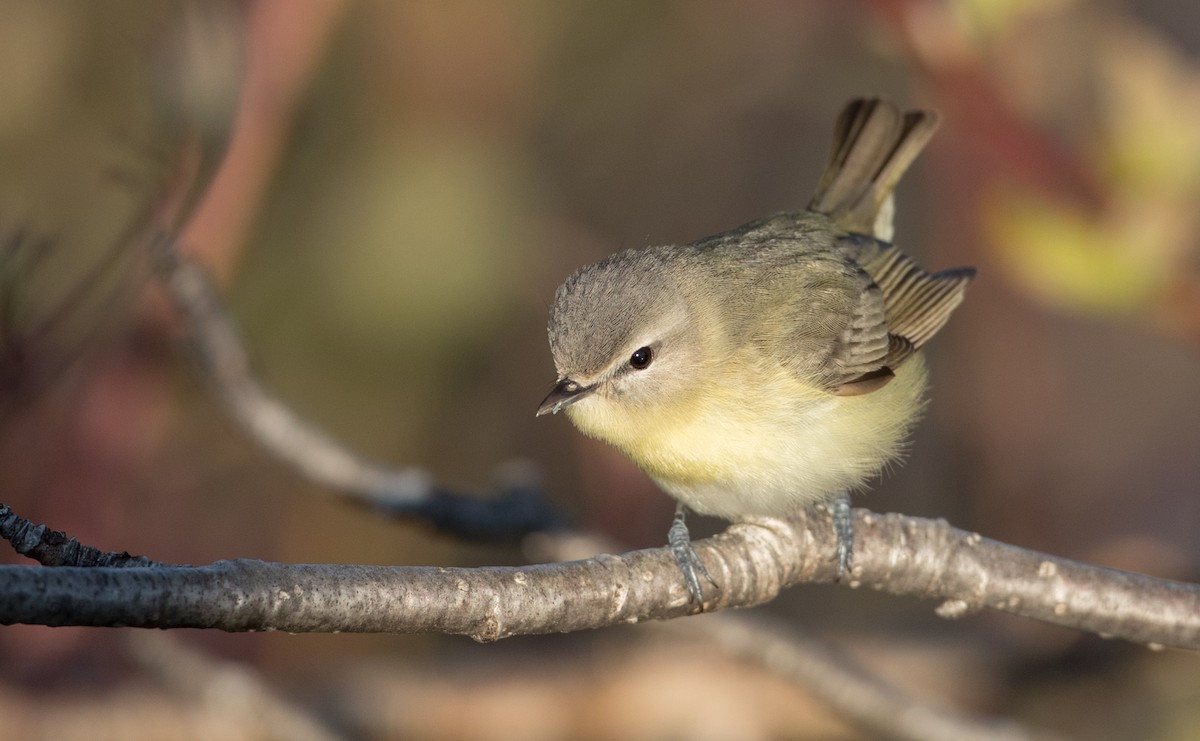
774,366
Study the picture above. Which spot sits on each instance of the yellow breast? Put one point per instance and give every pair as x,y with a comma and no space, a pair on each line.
759,442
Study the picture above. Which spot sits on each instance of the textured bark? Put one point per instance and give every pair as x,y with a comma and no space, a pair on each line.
751,562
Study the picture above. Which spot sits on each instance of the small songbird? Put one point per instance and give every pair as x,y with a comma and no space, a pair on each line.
771,367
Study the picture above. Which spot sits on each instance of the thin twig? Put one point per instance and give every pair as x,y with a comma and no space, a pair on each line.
834,677
55,548
225,689
517,510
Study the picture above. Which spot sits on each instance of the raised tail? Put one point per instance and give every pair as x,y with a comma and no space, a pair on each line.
873,144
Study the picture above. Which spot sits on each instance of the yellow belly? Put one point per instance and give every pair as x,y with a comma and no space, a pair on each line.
766,445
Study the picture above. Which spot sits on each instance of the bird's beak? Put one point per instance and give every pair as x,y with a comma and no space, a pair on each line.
565,393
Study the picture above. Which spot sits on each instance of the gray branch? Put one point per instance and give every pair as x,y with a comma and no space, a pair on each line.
222,356
752,562
836,678
517,510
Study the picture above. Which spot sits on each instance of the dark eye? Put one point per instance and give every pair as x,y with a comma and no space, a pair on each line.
641,358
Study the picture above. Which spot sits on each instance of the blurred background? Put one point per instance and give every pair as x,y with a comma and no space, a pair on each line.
389,194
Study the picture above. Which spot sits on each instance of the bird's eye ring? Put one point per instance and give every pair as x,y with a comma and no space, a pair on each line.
640,359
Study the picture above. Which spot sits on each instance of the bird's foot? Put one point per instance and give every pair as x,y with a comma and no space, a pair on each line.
689,563
843,526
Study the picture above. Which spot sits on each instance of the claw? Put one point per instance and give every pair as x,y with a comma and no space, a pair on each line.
689,563
843,525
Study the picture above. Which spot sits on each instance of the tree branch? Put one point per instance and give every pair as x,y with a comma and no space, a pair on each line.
751,562
252,704
411,492
823,669
834,677
55,548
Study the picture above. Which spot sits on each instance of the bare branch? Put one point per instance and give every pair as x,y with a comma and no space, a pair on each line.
406,492
751,562
930,559
55,548
225,688
835,678
823,669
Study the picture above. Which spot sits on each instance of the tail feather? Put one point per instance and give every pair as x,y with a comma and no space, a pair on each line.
873,144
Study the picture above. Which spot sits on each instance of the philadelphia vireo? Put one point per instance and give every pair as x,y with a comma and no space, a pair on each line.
771,367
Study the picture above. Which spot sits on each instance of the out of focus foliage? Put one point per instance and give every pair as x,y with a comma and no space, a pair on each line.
1124,102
